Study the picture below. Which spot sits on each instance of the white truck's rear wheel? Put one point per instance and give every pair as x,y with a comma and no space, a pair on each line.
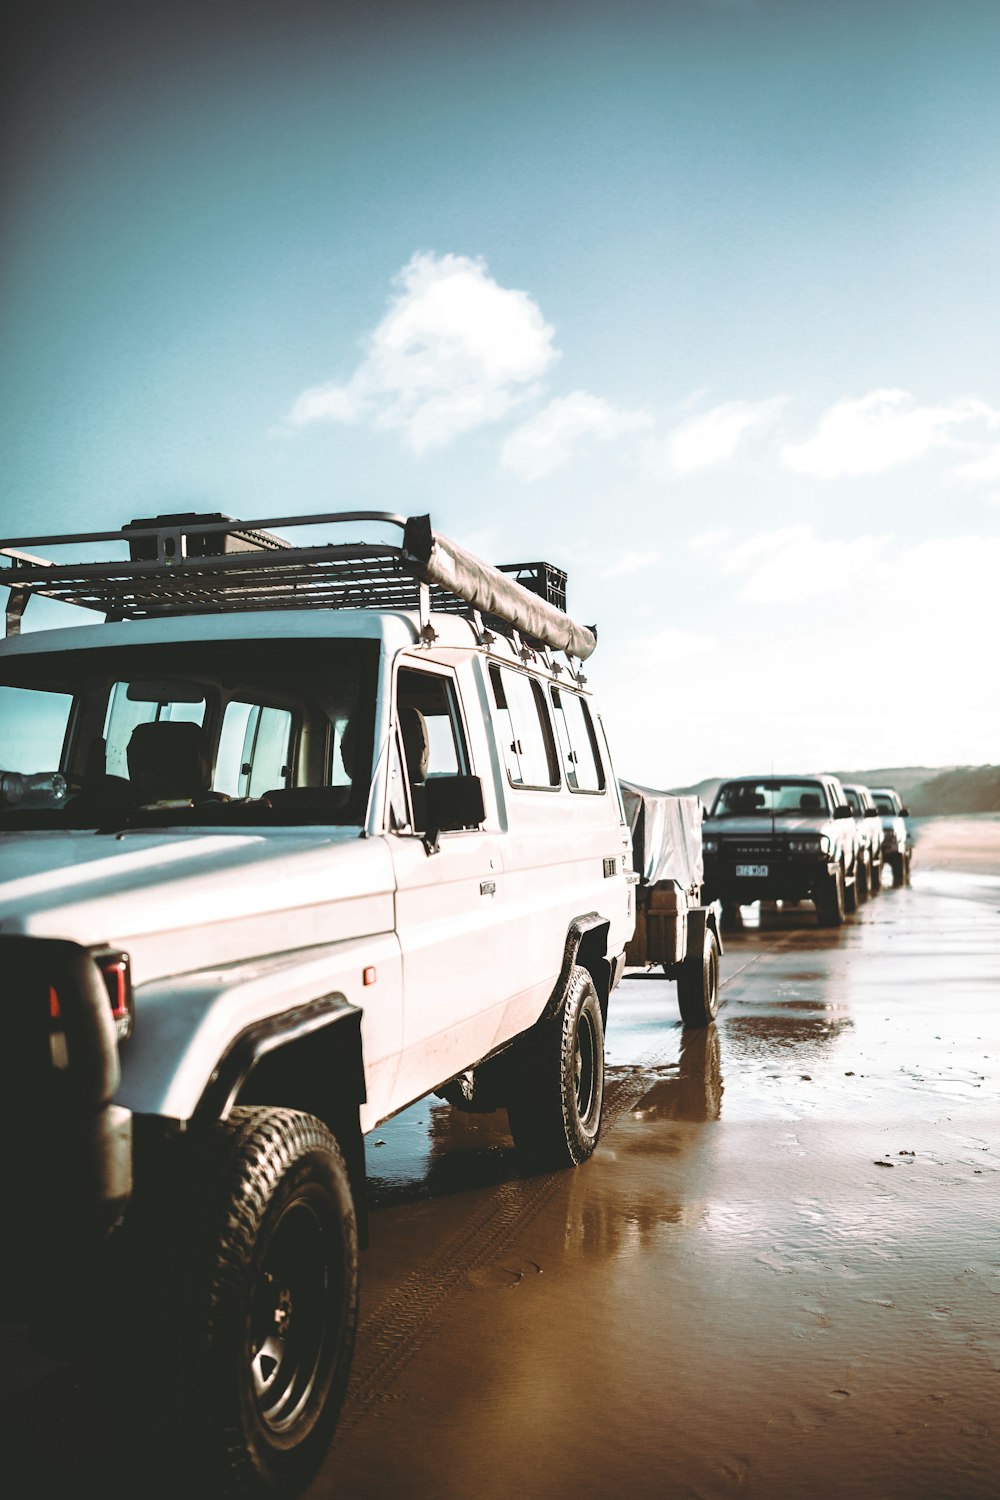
557,1096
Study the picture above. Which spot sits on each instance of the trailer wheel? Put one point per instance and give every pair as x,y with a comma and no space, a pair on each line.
698,983
557,1097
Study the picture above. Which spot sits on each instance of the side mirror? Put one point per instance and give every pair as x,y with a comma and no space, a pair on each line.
904,812
452,802
843,811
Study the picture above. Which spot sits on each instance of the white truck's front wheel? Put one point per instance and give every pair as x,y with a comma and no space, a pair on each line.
271,1321
557,1097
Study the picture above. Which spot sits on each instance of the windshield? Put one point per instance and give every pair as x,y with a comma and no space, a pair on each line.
741,799
884,804
208,732
853,799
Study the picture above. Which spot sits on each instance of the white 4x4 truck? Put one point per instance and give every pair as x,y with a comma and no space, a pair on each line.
297,835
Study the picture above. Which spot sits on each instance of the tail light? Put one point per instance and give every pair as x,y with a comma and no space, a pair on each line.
117,975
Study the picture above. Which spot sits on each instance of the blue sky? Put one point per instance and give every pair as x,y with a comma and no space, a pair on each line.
698,301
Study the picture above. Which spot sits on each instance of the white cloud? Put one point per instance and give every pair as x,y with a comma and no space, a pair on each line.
630,562
793,564
984,470
878,432
548,440
712,438
455,350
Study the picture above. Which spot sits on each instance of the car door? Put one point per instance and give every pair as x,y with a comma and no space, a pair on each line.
447,917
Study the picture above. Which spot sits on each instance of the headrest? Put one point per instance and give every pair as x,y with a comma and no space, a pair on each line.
168,761
758,799
809,802
416,745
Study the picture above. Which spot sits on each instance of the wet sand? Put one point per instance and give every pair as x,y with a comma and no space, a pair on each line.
779,1276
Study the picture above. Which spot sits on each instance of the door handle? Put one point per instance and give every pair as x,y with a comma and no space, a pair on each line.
487,887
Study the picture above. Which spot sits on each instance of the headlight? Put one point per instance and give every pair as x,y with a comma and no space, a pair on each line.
813,843
710,846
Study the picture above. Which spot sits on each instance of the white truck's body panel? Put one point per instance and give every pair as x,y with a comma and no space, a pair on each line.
225,927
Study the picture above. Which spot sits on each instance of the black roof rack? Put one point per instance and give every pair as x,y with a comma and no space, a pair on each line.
187,563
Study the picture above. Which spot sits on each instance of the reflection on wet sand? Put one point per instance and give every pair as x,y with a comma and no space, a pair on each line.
693,1089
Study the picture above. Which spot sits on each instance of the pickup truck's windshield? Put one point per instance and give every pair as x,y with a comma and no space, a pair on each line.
741,799
213,732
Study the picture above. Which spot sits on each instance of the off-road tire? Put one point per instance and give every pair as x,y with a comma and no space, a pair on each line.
557,1090
698,983
830,901
851,893
249,1257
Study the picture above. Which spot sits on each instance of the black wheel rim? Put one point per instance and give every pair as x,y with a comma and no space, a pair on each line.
585,1070
293,1312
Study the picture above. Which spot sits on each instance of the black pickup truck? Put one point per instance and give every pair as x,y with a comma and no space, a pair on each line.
788,838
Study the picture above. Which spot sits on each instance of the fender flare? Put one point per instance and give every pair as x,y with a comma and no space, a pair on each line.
587,946
309,1058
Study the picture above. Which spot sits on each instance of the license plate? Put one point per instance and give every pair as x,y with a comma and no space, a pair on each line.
752,872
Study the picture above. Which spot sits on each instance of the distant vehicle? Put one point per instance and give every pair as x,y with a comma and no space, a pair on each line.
897,846
784,838
869,826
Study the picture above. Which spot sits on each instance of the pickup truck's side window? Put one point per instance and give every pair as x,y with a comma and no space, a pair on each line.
431,736
524,729
581,757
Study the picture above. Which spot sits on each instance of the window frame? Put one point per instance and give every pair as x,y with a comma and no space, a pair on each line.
588,718
449,676
545,720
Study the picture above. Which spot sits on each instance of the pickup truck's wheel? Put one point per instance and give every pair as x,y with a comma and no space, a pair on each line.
900,864
268,1333
862,879
698,983
830,900
557,1096
851,892
876,877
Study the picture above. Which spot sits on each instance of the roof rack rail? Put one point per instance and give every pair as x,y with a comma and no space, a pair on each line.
186,563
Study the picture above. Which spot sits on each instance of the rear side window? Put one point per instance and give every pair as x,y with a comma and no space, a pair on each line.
581,758
139,702
254,750
524,729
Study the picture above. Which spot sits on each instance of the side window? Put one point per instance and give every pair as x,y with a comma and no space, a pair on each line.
431,737
32,729
525,732
581,758
134,703
254,750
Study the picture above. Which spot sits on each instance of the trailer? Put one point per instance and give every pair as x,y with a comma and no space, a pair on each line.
674,930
